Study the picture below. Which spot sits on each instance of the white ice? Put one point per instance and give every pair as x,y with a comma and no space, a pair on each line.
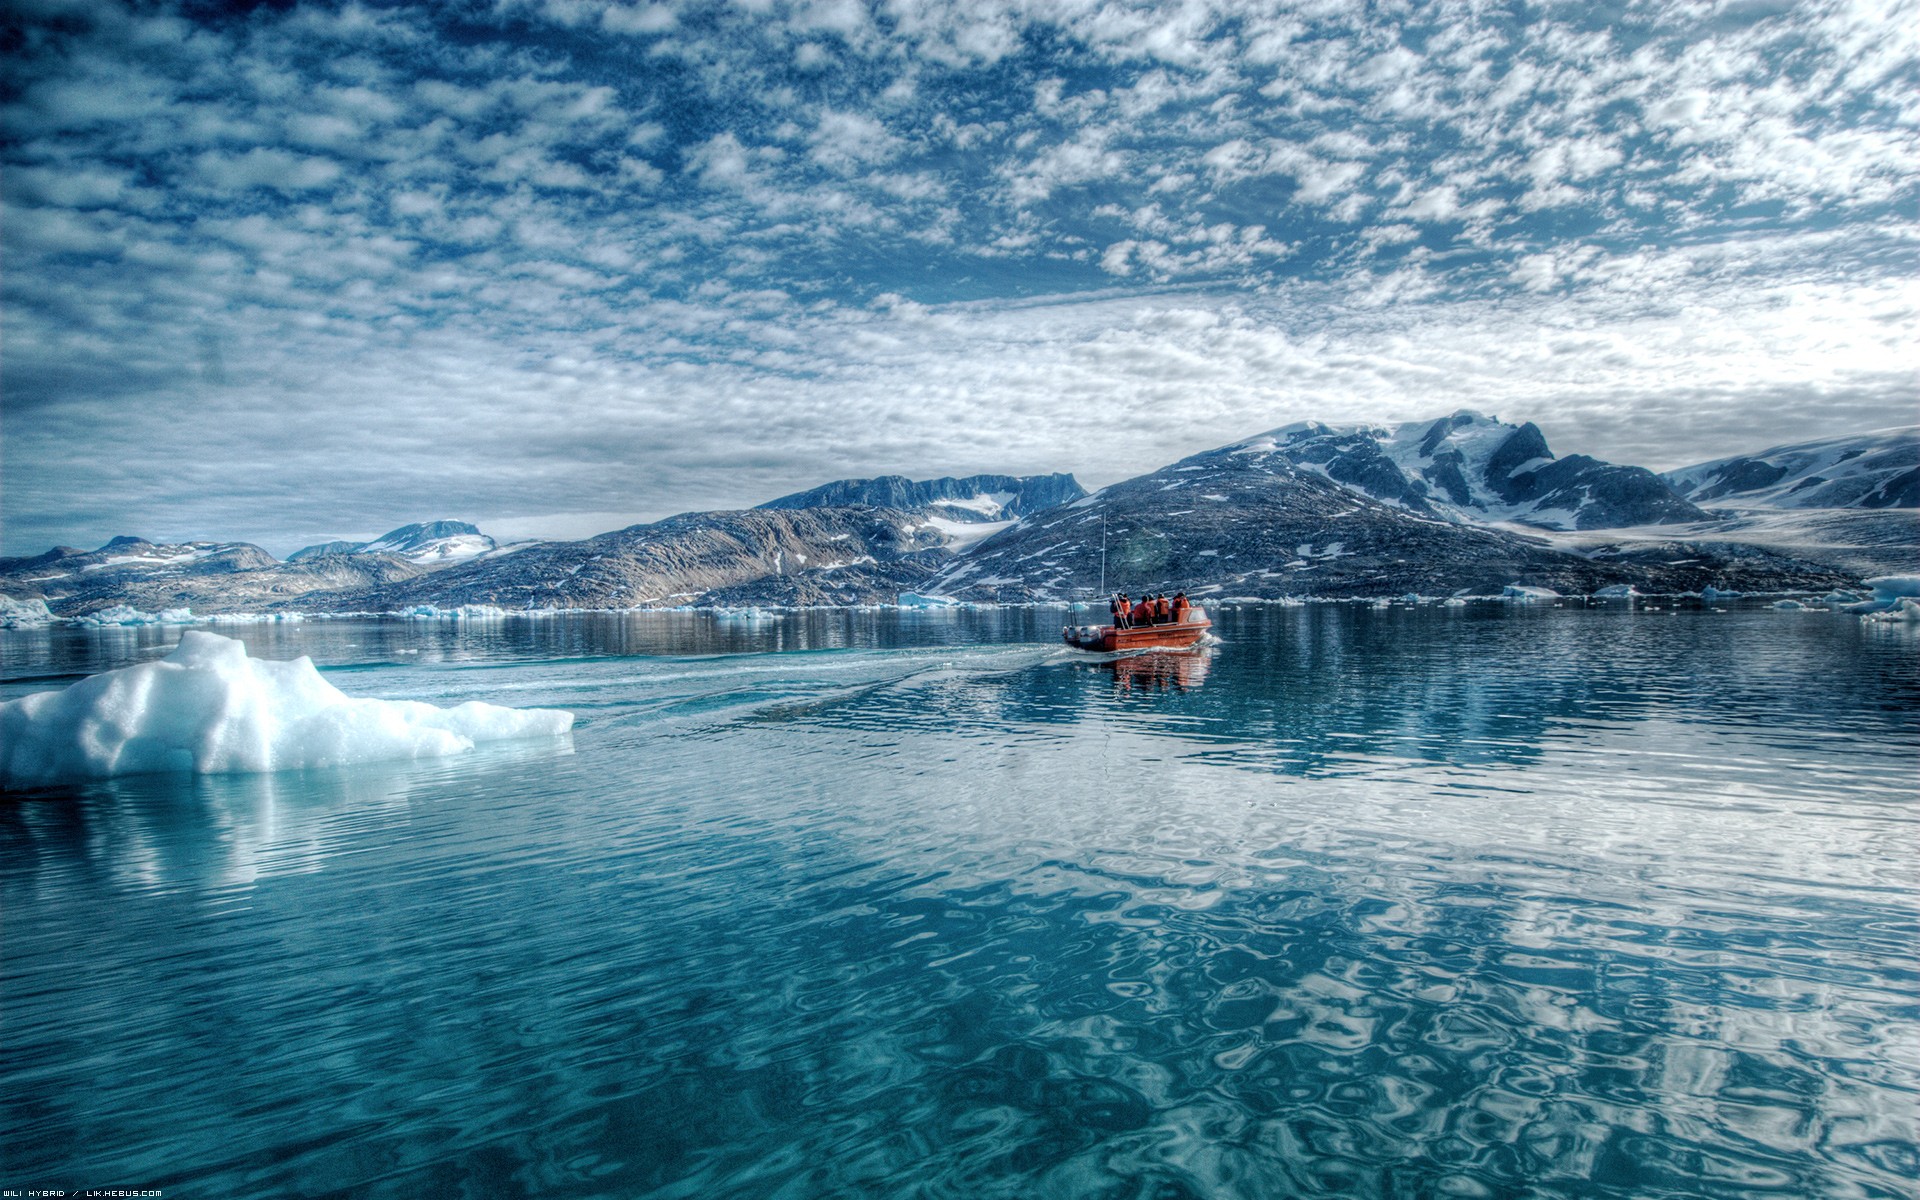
17,614
1520,593
207,708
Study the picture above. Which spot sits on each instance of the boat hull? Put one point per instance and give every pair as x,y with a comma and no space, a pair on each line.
1107,639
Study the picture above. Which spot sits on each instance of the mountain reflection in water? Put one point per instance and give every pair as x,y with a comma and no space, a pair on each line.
1360,902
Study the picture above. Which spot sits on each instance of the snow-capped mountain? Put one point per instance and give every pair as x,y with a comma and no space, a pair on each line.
1872,470
1476,469
976,498
1248,519
429,543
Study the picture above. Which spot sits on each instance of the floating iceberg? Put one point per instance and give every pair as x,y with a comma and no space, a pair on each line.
915,600
1789,606
19,614
1520,593
1619,591
1892,587
1711,592
127,614
1905,609
207,707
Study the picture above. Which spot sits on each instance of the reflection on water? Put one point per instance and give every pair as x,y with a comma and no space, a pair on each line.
1159,670
1363,902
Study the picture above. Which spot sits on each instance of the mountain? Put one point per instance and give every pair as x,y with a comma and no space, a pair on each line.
977,498
1476,469
804,556
1248,520
1872,470
208,576
1431,507
430,543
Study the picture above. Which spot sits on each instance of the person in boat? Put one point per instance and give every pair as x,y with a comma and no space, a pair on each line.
1143,612
1122,612
1162,609
1180,607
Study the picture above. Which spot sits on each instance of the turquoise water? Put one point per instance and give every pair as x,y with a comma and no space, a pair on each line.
1407,902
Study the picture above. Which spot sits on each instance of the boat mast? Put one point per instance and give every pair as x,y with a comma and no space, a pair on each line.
1103,551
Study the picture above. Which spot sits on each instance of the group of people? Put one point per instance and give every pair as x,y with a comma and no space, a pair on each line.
1154,609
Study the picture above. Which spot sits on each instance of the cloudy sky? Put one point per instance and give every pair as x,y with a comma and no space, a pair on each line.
315,270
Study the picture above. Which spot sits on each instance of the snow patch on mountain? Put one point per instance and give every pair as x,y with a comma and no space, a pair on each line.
1474,469
1880,469
429,543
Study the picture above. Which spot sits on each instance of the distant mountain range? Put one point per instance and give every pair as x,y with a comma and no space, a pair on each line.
976,498
432,542
1462,503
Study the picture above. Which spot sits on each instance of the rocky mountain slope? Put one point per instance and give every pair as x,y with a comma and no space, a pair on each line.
1476,469
1248,520
1461,504
972,499
1873,470
809,556
207,576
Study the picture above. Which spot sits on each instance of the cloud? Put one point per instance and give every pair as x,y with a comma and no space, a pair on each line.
544,244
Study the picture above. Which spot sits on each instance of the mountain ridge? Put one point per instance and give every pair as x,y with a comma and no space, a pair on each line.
1459,504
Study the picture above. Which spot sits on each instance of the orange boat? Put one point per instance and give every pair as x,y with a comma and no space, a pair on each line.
1168,635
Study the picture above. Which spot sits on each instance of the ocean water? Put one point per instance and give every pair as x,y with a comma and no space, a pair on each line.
1505,901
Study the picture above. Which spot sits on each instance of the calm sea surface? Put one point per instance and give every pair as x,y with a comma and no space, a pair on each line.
1366,902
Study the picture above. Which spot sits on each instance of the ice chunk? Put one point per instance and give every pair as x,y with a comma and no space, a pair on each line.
207,707
915,600
1520,593
1789,606
127,614
1711,592
1619,591
1905,609
1892,587
18,614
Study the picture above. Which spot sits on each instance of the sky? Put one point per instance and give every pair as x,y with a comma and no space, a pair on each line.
286,272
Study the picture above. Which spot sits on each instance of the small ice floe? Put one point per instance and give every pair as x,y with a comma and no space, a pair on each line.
460,612
208,708
1454,602
742,614
127,614
1905,609
1790,606
916,600
1518,593
1711,593
23,614
1619,591
1837,598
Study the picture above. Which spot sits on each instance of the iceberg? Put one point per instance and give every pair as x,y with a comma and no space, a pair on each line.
1890,588
22,614
127,614
1519,593
1619,591
209,708
1906,610
915,600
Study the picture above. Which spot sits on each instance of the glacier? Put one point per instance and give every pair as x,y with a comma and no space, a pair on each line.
209,708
